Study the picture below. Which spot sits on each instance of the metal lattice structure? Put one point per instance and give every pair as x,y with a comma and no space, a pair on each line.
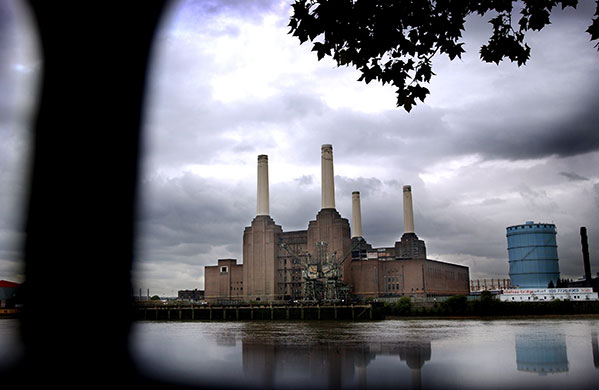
322,275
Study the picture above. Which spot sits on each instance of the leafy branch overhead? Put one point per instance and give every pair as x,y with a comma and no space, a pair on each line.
394,41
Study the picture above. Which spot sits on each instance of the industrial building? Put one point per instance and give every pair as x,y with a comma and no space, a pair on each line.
9,294
587,280
533,259
534,267
194,295
328,261
479,285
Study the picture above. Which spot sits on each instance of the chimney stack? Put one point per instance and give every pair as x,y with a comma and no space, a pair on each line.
262,206
328,185
356,215
408,212
585,254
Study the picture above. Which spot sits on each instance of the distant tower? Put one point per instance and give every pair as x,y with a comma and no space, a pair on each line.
532,250
262,204
409,246
327,177
329,227
408,210
260,248
584,241
356,215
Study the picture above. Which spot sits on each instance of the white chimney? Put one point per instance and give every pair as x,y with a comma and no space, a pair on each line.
262,206
328,185
408,212
356,215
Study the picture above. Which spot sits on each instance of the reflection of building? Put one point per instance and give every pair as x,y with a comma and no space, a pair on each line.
326,261
532,250
415,354
543,353
329,365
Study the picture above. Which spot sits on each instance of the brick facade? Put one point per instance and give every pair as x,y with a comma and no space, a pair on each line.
273,263
224,282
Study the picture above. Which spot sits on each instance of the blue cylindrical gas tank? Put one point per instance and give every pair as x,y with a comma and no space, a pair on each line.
532,250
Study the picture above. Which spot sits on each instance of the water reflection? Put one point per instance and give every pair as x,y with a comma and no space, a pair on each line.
542,353
385,354
329,365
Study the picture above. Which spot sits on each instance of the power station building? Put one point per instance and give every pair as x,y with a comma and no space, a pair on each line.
329,260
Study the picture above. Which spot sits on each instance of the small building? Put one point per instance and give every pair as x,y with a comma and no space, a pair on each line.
479,285
9,294
548,294
224,282
194,295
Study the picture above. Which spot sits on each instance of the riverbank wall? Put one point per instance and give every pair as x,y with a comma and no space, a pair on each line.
264,312
488,307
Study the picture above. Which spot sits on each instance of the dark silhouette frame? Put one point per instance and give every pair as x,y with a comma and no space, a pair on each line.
80,216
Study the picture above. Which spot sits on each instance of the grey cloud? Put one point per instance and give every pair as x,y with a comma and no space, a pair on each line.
344,186
236,7
188,13
305,180
189,215
293,206
492,201
573,134
573,176
478,30
548,107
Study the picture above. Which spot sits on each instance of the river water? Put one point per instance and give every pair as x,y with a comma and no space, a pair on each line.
523,353
547,353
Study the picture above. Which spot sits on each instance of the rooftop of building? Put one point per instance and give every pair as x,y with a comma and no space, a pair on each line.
7,284
531,225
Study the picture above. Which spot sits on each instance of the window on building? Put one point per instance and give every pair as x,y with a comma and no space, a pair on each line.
224,269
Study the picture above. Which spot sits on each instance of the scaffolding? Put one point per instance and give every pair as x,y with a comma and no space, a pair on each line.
322,274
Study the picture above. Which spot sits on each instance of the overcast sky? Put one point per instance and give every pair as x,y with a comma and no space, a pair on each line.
492,146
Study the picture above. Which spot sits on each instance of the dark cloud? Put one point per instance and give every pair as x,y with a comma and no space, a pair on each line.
188,13
189,215
344,186
231,7
478,29
573,176
573,132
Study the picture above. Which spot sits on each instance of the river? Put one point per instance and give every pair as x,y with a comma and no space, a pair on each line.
514,353
535,353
